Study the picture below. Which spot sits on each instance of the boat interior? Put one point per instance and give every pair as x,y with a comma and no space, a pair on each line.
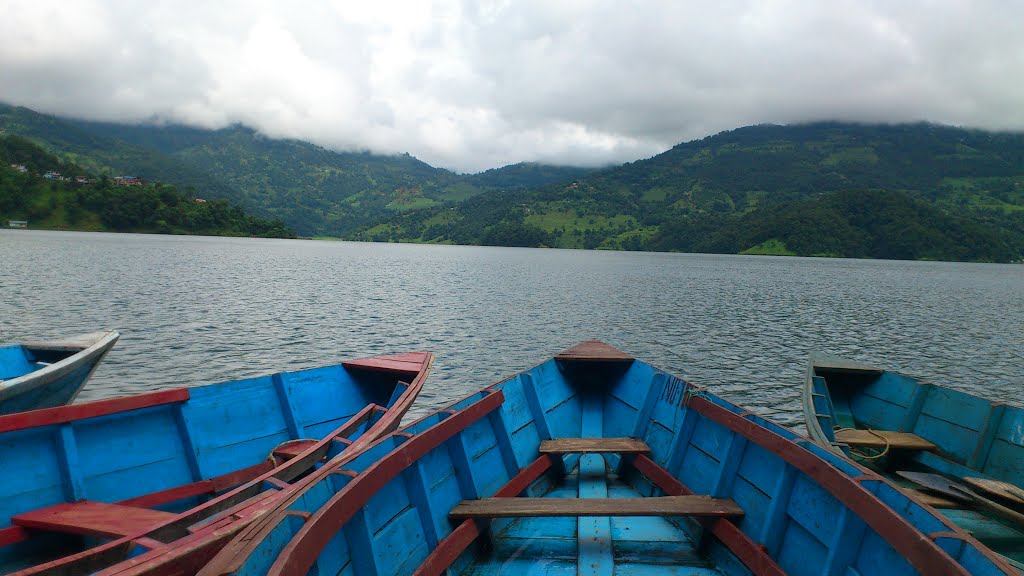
121,476
933,442
17,360
593,463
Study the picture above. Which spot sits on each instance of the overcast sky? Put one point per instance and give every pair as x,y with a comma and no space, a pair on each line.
479,84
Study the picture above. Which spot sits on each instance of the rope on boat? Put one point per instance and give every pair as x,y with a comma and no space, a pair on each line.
692,391
860,455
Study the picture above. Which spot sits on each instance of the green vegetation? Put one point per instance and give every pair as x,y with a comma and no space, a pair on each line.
916,191
76,200
770,247
907,192
316,191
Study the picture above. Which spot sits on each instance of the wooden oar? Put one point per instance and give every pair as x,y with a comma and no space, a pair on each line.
955,489
1003,492
936,483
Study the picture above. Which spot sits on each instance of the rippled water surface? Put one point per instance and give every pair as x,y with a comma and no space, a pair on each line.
195,310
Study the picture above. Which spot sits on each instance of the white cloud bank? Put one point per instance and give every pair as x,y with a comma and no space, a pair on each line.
478,84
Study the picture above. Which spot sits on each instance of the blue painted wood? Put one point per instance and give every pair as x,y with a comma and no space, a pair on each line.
295,430
966,429
979,457
47,374
594,538
126,452
360,545
69,466
806,527
921,391
188,446
774,528
419,497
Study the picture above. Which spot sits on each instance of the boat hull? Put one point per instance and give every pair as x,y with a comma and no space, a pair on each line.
400,506
113,478
894,423
68,366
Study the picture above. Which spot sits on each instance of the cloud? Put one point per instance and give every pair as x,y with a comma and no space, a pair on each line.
477,84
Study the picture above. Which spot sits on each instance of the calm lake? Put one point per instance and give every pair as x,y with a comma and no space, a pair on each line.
196,310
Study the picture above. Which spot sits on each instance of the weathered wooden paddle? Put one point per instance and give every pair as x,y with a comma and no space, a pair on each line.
954,489
1003,492
936,483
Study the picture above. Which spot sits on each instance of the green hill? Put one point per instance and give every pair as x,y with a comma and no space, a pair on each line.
51,193
901,191
315,190
880,191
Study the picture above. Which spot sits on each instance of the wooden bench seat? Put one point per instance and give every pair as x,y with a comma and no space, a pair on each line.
594,446
704,506
881,438
93,519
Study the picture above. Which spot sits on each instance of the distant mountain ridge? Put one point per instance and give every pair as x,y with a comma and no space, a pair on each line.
941,193
911,191
315,190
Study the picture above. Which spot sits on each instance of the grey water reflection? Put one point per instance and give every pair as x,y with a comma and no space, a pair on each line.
195,310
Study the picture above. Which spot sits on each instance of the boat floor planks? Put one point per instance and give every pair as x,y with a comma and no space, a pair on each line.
638,545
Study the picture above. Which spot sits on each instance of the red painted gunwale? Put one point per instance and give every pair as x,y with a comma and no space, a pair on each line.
63,414
317,530
300,553
752,555
920,552
449,549
96,559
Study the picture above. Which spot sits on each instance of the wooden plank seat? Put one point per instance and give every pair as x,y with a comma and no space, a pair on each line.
703,506
880,439
594,446
93,519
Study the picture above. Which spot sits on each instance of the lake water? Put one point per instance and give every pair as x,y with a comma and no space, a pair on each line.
195,310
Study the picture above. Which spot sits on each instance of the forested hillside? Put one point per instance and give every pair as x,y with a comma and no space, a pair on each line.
315,190
903,191
50,193
880,191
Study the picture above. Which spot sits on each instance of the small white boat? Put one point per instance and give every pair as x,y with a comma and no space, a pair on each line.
51,373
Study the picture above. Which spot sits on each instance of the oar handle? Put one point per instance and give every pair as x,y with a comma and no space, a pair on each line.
995,508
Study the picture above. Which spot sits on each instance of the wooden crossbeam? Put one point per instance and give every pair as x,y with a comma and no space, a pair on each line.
881,438
594,446
703,506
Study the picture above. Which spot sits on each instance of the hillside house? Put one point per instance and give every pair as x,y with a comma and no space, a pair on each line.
20,168
52,175
128,181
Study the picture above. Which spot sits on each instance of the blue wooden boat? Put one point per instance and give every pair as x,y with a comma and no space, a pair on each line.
86,486
51,373
595,463
903,428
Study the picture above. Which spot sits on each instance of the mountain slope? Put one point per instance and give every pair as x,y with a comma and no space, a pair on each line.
51,193
956,194
318,191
